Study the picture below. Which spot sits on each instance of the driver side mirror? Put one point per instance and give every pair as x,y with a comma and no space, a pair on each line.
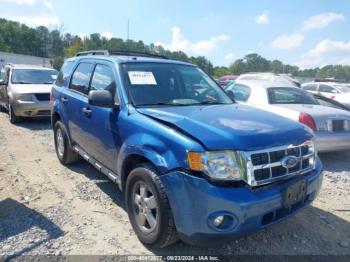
102,98
231,95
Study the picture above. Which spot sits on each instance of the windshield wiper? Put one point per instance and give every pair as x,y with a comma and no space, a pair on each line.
163,104
210,102
23,82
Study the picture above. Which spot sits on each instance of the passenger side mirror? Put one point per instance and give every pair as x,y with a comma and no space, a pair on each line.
2,82
231,95
101,98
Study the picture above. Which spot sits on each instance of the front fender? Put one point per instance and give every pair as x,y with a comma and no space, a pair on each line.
151,148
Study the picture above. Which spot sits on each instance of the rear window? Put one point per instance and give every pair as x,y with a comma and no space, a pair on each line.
287,95
310,87
343,88
327,89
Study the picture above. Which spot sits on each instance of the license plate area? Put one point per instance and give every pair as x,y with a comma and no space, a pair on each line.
295,193
338,126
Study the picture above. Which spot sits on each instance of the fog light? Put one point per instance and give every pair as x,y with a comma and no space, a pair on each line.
218,220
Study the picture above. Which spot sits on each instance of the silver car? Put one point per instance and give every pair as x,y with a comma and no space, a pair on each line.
331,126
25,91
339,92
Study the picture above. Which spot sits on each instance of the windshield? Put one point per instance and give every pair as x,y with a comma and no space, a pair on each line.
33,76
343,88
157,84
287,95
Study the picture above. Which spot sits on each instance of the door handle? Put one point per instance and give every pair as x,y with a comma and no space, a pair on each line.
64,100
87,111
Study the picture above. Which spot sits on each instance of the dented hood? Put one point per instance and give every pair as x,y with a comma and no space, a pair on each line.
233,126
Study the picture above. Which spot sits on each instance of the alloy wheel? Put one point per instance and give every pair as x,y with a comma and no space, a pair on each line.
145,207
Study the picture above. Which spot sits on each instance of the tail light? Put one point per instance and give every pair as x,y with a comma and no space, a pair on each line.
306,119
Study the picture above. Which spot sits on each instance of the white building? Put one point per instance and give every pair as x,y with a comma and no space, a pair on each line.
10,58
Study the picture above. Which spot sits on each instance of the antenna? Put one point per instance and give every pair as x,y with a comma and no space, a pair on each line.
128,49
128,34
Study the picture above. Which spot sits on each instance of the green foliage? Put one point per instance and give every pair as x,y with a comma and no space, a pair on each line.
21,39
256,63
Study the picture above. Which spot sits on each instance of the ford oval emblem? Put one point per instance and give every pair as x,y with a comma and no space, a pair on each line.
289,161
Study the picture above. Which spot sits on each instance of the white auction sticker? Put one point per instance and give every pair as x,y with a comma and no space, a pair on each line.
142,78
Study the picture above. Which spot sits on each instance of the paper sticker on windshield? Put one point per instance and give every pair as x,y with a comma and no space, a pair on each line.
54,77
142,78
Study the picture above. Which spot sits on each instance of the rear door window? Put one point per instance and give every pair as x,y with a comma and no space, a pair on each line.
81,78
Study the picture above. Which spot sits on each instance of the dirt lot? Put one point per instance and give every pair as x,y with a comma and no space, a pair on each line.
46,208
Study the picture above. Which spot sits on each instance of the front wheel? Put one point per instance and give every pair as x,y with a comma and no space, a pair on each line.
12,116
148,207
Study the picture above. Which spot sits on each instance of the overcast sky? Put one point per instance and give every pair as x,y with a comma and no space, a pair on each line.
304,33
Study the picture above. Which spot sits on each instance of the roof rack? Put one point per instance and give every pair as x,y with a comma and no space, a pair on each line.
119,53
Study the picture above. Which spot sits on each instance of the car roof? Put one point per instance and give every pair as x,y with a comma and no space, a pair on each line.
128,59
325,83
24,66
266,83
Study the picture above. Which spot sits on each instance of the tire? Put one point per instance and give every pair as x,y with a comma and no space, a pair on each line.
64,152
164,232
12,116
2,108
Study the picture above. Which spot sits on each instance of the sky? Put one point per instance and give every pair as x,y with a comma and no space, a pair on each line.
306,33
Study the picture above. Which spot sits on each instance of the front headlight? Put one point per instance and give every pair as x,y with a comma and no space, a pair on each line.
24,97
219,165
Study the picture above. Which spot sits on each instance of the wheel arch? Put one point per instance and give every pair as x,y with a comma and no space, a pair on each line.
129,163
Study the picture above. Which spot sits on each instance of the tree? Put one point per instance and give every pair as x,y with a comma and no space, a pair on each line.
40,41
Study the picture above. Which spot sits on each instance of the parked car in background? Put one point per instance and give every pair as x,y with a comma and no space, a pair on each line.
325,101
331,126
225,80
338,91
270,77
192,164
25,91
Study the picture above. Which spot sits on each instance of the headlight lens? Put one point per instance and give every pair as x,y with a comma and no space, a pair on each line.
219,165
312,150
25,97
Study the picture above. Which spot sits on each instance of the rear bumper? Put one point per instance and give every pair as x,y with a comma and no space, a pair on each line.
32,109
195,202
332,141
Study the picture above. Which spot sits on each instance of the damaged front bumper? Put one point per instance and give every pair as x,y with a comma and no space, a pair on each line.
196,203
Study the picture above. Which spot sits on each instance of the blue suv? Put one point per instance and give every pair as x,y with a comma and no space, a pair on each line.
192,163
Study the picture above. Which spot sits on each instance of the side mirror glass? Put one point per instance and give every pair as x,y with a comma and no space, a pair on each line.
101,98
2,82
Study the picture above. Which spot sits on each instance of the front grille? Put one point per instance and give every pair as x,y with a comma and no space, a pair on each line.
266,166
43,96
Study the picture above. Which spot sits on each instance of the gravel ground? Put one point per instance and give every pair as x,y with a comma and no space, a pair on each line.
46,208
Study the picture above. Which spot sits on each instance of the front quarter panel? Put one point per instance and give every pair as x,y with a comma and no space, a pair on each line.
162,145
